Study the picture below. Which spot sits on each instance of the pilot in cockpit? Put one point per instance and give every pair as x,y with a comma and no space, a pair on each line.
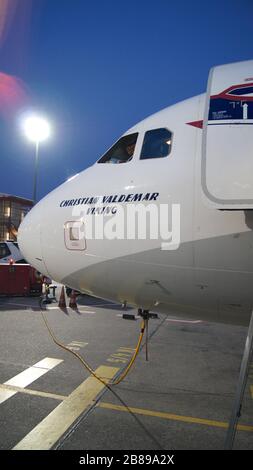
128,151
122,151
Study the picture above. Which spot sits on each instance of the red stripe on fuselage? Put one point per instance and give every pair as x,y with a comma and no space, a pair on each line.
198,124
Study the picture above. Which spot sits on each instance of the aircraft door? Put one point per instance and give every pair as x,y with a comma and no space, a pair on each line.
227,146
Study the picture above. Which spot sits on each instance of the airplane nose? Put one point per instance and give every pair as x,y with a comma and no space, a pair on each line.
29,238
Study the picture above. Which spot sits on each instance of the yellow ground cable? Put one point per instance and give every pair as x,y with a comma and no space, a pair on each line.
125,372
106,383
86,365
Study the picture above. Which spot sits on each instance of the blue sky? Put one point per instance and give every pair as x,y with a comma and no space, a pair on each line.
96,68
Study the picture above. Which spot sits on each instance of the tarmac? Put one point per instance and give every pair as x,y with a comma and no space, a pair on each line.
180,398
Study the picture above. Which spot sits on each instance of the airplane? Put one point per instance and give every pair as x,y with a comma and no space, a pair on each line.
10,252
190,163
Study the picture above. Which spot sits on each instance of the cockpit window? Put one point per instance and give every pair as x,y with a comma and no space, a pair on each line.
122,151
4,250
156,144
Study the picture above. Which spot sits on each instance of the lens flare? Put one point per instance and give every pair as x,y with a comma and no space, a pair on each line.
12,94
7,10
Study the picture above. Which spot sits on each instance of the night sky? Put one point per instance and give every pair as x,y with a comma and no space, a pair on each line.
96,68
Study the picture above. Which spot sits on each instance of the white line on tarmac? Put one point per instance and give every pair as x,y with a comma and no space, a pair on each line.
78,308
183,321
99,305
51,428
38,307
28,376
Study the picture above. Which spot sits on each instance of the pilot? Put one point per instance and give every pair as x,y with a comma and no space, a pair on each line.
130,151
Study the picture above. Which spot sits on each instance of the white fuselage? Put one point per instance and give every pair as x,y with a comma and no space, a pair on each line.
210,274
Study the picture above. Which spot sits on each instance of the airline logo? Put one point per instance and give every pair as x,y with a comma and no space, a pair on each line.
234,104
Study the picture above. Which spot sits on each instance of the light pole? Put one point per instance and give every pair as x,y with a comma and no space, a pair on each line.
36,129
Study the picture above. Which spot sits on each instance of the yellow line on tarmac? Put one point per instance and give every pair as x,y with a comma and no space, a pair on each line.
251,390
172,417
49,431
29,391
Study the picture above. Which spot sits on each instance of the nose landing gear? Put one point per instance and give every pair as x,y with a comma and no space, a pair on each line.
146,315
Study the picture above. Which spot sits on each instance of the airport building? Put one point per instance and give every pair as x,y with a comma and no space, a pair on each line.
12,211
